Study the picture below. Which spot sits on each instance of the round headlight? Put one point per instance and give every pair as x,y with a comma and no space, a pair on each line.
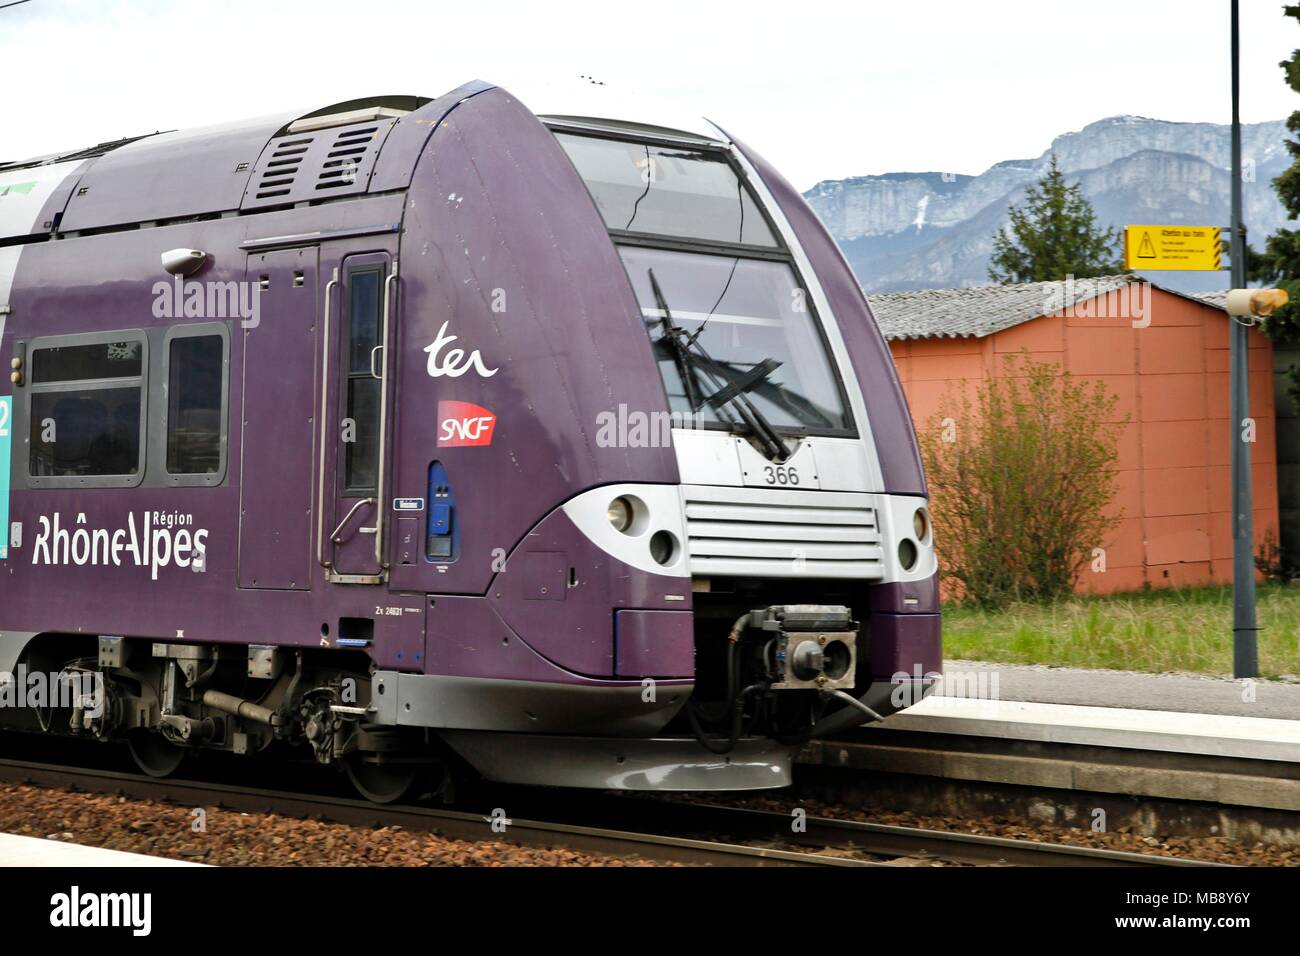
907,554
921,524
663,547
619,514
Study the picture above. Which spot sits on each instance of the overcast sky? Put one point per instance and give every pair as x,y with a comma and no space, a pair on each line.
824,88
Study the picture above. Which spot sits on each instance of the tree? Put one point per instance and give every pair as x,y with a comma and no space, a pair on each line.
1279,263
1021,477
1053,235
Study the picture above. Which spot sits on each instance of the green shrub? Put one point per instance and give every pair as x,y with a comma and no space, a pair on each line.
1020,477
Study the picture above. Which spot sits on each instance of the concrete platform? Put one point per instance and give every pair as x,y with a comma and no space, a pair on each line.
1150,791
1212,759
1192,751
1128,690
1251,738
30,851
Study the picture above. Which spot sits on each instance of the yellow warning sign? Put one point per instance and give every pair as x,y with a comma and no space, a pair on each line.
1159,248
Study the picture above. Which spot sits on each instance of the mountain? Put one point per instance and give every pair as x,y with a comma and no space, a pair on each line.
903,231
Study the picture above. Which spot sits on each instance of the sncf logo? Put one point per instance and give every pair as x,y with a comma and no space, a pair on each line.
463,423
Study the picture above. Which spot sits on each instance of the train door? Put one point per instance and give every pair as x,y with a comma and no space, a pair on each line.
361,303
277,423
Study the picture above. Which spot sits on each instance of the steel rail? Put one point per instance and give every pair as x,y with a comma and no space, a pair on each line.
448,823
658,821
899,841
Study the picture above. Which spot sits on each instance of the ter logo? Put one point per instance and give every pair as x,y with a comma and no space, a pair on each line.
463,423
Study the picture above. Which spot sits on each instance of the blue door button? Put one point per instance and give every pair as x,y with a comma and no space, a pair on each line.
440,519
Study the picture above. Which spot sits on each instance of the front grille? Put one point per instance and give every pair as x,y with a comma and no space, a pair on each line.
783,534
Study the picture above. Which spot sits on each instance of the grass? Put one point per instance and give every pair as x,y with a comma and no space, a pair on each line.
1160,630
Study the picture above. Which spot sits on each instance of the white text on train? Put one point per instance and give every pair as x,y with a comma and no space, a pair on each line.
162,539
451,364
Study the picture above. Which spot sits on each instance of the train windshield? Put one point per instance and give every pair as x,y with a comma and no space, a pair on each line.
667,191
734,333
743,320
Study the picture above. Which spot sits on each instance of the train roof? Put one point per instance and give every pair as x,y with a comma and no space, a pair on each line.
365,145
282,159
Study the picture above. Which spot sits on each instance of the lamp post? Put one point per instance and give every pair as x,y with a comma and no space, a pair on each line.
1245,656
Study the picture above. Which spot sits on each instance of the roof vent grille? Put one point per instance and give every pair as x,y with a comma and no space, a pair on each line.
316,167
285,162
344,158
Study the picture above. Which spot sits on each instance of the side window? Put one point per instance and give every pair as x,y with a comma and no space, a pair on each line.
361,431
87,409
195,380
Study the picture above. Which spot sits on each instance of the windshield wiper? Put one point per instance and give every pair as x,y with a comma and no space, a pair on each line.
755,377
688,352
681,357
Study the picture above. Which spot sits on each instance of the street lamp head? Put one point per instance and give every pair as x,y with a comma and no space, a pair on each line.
1255,302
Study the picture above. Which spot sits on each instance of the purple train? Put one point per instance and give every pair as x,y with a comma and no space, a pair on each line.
413,435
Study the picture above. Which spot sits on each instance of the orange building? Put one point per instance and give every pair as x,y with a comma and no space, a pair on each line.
1164,355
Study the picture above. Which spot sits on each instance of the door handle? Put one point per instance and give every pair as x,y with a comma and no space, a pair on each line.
389,284
380,374
334,535
324,405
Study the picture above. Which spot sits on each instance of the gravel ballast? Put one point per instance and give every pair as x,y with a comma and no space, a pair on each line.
231,838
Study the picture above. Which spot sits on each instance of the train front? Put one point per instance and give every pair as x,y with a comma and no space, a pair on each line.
744,558
808,540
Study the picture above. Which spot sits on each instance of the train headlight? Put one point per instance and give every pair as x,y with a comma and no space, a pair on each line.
907,554
663,547
620,514
921,524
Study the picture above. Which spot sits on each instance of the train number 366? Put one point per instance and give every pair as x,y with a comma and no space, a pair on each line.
780,475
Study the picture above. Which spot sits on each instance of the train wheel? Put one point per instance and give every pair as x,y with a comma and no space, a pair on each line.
153,754
380,782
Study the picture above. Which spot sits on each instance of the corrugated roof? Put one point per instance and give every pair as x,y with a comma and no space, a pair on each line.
979,311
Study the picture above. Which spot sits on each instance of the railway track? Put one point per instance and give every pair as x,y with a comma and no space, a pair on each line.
715,835
456,824
896,843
